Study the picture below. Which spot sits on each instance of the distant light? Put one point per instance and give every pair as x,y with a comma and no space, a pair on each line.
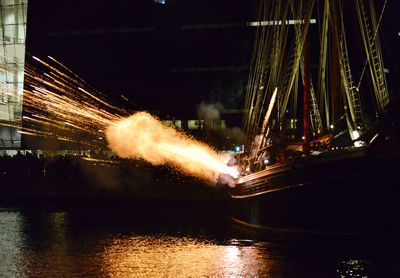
355,134
331,126
287,110
303,137
266,161
279,22
359,143
162,2
237,149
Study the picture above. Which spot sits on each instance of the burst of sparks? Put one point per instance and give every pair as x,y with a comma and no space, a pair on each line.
59,104
64,105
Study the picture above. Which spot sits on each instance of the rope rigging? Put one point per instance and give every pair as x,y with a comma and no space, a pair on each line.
277,69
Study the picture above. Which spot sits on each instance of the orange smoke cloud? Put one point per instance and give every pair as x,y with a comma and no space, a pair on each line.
143,136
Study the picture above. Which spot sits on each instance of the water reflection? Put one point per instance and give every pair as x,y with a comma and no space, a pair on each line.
64,244
150,256
11,243
353,268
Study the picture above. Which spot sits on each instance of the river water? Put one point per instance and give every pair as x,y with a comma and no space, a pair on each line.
175,243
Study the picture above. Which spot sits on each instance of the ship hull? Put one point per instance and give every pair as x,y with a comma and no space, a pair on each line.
345,192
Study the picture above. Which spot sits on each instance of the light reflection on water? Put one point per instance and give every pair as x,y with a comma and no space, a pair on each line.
64,244
11,243
183,257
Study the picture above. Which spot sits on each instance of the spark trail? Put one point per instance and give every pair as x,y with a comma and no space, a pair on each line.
61,105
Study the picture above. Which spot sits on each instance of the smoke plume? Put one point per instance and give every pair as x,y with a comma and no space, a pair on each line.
143,136
209,111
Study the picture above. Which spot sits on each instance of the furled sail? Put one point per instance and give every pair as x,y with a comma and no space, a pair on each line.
276,113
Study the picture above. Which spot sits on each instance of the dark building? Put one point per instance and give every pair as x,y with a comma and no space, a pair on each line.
162,56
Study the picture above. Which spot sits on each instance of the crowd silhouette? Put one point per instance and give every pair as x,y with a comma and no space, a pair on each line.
96,177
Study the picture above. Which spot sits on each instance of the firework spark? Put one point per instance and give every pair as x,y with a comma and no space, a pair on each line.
61,105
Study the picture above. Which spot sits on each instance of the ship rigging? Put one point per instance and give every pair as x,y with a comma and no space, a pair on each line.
320,173
281,67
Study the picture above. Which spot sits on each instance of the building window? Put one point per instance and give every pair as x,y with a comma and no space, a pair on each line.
13,15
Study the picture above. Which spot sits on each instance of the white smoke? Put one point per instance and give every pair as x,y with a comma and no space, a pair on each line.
209,111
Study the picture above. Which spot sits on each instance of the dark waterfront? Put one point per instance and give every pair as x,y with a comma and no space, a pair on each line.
90,242
302,95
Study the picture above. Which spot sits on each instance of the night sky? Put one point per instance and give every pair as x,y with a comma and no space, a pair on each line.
169,58
163,58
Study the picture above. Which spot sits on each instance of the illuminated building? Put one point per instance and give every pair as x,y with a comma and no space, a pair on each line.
13,18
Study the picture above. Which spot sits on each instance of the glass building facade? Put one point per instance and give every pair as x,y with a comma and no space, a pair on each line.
13,20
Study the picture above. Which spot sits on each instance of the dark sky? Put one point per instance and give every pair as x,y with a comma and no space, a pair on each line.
170,57
165,58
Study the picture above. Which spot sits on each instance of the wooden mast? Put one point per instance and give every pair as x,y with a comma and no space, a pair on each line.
306,95
336,106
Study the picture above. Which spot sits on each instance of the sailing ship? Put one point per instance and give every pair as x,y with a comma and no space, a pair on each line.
336,169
